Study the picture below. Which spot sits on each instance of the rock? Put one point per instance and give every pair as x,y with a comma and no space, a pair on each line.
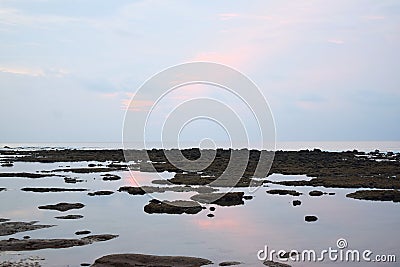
284,192
7,164
53,190
229,263
111,177
132,190
172,207
296,202
149,261
91,165
275,264
69,217
7,147
210,215
4,220
24,175
187,188
212,208
3,189
85,232
72,180
316,193
247,197
376,195
63,206
36,244
26,237
310,218
85,264
10,228
221,199
101,193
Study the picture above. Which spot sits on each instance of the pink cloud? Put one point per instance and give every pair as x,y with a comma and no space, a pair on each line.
336,41
374,17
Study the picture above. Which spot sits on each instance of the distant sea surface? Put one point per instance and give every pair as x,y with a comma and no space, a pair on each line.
365,146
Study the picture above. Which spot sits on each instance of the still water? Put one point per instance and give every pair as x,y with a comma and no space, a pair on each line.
236,233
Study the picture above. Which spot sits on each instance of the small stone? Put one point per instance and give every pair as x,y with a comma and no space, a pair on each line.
212,208
229,263
310,218
85,232
296,202
210,215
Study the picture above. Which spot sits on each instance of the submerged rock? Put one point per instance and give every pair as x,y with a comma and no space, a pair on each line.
229,263
284,192
172,207
62,206
376,195
7,164
25,175
52,190
101,193
36,244
84,232
70,217
316,193
221,199
149,261
296,202
10,228
68,180
132,190
310,218
111,177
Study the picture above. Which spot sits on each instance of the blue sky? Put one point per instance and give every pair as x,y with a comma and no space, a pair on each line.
329,69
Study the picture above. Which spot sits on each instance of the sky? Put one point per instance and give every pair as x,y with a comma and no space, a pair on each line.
328,69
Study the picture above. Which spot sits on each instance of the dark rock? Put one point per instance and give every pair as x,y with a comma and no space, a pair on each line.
229,263
212,208
85,232
91,165
101,193
85,264
3,189
69,217
210,215
53,190
173,207
24,175
63,206
376,195
296,202
284,192
316,193
132,190
111,177
26,237
72,180
4,220
10,228
36,244
247,197
7,164
149,261
310,218
221,199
